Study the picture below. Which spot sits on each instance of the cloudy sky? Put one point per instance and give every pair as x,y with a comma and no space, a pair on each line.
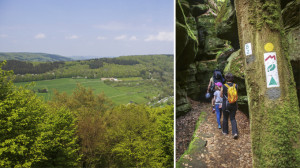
87,27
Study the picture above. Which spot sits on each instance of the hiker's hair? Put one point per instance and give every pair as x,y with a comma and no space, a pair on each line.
229,77
217,87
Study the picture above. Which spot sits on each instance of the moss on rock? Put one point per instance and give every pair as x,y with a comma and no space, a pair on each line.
236,64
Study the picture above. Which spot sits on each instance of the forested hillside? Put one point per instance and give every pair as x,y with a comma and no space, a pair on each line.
36,57
154,72
84,129
148,67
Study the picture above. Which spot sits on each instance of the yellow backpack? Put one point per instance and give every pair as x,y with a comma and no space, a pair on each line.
232,93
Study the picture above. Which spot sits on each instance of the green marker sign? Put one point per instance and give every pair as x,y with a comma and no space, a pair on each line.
270,61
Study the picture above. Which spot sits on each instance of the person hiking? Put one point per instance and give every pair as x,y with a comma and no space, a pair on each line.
217,77
217,102
229,106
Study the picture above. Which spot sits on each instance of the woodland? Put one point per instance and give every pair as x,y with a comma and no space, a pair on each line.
84,129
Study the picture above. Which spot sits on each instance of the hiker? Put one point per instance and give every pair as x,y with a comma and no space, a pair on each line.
229,106
217,102
217,77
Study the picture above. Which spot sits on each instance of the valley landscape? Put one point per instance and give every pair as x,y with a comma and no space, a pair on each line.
129,79
107,111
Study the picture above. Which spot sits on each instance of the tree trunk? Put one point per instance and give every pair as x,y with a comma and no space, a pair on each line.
272,97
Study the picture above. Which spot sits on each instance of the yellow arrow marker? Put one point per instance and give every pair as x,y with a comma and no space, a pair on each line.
269,47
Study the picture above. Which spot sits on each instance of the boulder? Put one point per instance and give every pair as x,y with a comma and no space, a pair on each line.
226,24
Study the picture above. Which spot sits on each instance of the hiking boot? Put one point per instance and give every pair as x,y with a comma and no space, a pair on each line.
235,136
219,126
224,133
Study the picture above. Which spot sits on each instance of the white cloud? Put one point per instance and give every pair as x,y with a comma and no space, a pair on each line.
122,37
72,37
161,36
40,36
3,35
101,38
133,38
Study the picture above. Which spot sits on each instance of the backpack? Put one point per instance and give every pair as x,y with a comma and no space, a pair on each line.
218,76
231,93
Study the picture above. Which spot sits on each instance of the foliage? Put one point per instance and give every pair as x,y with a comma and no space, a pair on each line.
123,136
141,136
89,110
6,82
31,133
20,67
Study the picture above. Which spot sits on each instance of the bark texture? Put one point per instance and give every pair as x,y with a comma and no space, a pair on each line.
274,112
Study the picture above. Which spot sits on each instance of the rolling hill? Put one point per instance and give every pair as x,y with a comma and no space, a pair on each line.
35,57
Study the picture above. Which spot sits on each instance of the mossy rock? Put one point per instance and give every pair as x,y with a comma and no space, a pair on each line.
206,66
191,22
188,55
187,75
182,104
294,43
212,46
204,73
182,109
185,8
186,42
236,64
193,90
199,9
182,38
291,15
181,101
243,104
226,24
207,23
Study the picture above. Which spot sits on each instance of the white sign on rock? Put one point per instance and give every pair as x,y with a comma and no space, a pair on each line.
248,49
271,69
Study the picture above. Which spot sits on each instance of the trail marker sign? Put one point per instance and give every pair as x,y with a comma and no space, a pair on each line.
248,49
271,69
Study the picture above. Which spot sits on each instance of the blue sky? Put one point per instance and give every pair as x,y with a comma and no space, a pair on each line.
87,27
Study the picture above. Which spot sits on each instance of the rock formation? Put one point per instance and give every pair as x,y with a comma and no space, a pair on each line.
207,39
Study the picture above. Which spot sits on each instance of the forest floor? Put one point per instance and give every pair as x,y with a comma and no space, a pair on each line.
206,146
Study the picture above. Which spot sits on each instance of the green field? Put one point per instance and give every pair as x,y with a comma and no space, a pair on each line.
132,89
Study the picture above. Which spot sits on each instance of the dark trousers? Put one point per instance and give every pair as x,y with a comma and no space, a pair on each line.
231,114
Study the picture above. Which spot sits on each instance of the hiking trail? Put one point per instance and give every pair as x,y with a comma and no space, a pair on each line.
209,147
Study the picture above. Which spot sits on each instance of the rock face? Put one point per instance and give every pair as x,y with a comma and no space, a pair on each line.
291,20
199,49
186,50
207,39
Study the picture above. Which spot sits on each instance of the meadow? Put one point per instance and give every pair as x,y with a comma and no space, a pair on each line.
128,90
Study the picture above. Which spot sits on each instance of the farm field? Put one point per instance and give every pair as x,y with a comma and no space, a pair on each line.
132,89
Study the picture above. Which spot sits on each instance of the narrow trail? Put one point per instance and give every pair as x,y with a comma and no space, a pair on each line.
211,148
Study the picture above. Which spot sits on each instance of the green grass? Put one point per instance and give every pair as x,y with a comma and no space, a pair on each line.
119,95
131,79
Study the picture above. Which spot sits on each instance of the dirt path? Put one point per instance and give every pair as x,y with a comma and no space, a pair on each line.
211,148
